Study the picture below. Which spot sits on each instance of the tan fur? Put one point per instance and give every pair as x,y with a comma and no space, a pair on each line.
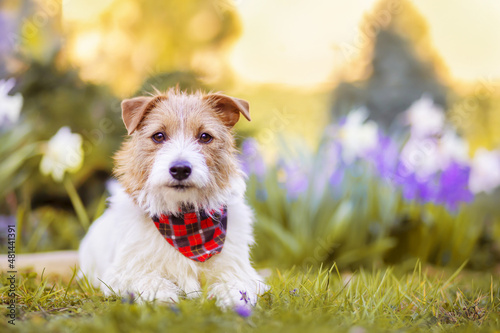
172,112
123,250
229,108
134,109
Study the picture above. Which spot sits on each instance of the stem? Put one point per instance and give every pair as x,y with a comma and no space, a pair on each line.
77,203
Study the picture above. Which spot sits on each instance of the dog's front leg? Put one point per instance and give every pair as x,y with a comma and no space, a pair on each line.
143,285
233,281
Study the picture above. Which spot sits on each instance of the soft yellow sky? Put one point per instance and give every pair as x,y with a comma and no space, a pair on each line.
301,42
297,41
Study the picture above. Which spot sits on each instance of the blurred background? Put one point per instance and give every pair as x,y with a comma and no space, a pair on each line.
374,138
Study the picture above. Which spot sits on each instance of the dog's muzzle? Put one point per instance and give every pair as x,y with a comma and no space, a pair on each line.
180,170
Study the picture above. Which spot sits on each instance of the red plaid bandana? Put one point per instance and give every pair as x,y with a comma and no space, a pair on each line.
197,235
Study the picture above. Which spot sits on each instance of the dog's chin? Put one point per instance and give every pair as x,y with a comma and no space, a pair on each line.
181,188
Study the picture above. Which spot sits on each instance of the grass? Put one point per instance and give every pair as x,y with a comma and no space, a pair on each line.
317,300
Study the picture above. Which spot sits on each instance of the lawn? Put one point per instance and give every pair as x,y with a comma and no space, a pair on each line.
375,189
317,300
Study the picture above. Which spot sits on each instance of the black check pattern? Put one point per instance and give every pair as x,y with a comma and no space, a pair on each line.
198,235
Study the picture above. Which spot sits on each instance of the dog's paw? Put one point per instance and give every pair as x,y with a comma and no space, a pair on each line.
191,288
231,295
159,290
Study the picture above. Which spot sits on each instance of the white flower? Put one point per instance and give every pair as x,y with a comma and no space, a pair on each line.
357,136
63,153
421,156
427,156
453,148
485,171
425,117
10,106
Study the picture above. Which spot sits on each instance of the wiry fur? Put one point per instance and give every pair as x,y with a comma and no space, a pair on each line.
123,248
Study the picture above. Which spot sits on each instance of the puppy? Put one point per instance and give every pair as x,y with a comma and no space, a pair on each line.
178,213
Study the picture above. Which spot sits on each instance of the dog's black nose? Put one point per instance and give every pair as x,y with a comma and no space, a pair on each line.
180,170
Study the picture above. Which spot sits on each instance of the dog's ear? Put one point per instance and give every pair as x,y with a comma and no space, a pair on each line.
134,109
229,108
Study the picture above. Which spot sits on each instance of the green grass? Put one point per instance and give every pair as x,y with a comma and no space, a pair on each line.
385,300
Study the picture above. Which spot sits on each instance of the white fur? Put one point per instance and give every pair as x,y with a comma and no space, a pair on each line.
156,197
124,251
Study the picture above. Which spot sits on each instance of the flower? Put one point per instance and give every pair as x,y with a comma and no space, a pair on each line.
327,164
243,310
7,28
453,148
437,169
5,221
421,156
336,177
10,106
251,159
295,179
384,156
425,118
63,153
356,136
417,189
485,171
244,296
128,299
453,186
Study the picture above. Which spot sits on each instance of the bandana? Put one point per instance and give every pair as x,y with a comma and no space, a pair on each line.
198,235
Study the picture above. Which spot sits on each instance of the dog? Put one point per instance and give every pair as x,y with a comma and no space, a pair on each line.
178,214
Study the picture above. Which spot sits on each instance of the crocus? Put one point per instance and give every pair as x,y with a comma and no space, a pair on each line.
485,171
357,136
453,186
63,153
8,37
384,156
415,189
243,310
421,156
296,181
251,159
425,118
453,148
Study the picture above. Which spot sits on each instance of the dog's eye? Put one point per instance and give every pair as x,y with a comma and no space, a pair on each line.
159,137
205,138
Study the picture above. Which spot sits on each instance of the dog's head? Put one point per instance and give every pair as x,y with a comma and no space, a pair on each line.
180,149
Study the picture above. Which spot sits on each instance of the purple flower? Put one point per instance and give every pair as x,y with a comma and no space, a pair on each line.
128,299
331,161
243,310
296,181
453,186
5,221
414,188
244,297
384,156
342,120
251,160
7,36
449,188
337,176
